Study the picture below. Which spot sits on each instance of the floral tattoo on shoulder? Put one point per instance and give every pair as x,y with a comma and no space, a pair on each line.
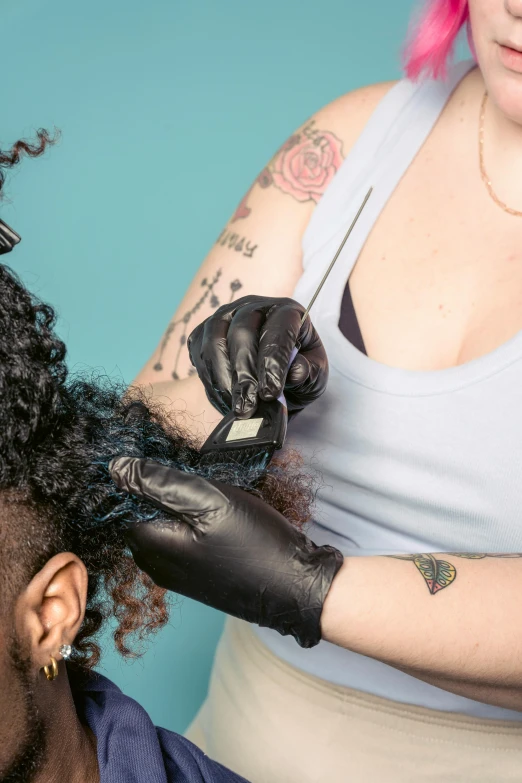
303,167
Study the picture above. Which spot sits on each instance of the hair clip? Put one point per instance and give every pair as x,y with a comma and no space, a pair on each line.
8,238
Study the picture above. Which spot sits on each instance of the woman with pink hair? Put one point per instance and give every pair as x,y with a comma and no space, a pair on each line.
418,436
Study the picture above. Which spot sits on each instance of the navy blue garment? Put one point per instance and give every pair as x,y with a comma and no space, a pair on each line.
130,748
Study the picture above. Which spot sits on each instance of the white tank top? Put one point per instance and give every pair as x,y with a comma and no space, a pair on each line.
411,461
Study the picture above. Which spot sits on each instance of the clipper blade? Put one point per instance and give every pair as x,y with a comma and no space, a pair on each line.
251,458
247,443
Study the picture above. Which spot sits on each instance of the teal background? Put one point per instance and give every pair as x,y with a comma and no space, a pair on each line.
168,110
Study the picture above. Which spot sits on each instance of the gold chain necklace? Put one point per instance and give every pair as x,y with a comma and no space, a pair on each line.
483,172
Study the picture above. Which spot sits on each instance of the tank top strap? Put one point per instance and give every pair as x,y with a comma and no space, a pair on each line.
393,135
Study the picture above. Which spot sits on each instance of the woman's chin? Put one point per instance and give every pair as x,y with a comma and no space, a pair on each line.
505,90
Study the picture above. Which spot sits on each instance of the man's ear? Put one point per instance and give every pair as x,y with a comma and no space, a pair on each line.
50,611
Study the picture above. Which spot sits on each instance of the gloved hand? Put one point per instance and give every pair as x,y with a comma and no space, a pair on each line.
228,549
243,350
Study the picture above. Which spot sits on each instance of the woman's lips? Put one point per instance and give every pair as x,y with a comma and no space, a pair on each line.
511,58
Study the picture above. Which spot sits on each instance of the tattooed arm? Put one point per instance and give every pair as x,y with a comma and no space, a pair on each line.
259,251
453,620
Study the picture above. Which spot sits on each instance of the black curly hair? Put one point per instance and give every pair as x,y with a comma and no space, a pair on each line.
58,434
23,147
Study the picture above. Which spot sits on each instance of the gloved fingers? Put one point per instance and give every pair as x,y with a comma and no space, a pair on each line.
279,337
243,350
298,372
308,374
208,352
160,549
186,495
161,535
194,343
243,343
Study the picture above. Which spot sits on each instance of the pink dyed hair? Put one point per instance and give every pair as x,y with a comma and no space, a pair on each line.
432,40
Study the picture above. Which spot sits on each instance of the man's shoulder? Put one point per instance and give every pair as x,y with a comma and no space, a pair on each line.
186,763
128,740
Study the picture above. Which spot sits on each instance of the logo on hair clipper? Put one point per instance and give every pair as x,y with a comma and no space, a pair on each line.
244,428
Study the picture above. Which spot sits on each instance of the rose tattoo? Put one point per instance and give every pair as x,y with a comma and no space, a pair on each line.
303,167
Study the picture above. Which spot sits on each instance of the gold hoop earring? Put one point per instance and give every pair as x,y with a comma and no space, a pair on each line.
51,671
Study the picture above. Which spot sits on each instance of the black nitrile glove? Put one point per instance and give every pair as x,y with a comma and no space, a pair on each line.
228,549
243,350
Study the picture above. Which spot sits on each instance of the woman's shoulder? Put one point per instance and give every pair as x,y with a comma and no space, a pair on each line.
347,115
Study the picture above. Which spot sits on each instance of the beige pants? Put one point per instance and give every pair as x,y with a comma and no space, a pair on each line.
274,724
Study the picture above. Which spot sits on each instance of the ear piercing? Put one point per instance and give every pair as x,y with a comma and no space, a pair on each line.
51,670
